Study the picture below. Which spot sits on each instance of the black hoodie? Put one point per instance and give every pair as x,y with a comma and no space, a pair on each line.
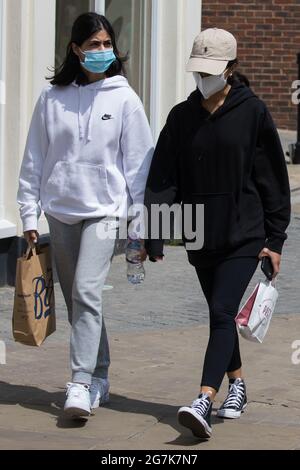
232,162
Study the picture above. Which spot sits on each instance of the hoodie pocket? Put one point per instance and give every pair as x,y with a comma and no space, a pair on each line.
220,219
79,186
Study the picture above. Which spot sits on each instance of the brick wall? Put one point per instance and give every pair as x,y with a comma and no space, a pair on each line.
268,34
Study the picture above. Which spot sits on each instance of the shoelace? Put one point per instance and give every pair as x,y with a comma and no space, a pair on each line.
235,396
75,389
201,405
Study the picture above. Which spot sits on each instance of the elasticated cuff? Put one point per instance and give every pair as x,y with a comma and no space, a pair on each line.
82,378
275,244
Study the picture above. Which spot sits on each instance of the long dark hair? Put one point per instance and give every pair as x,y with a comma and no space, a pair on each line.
236,75
83,28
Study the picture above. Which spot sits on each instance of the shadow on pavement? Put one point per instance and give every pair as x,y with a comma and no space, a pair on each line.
164,413
51,403
37,399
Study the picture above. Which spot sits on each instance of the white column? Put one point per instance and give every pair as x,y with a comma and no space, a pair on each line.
43,58
31,36
12,113
99,6
43,53
193,17
7,229
175,23
156,58
2,102
18,97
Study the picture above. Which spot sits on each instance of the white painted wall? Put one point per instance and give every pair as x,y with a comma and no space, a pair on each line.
43,57
175,23
7,228
99,6
2,100
30,33
43,43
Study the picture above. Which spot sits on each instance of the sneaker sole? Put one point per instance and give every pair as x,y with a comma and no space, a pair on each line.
191,420
230,414
75,412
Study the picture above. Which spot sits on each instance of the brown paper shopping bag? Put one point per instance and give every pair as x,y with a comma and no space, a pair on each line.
34,305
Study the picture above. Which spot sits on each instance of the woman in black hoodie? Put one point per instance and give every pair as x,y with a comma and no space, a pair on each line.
220,149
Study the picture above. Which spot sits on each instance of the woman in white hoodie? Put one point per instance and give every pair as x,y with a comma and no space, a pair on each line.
86,162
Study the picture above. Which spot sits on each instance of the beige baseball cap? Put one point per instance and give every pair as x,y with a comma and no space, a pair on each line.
213,48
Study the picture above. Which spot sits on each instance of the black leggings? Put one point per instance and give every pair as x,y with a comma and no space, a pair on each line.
224,285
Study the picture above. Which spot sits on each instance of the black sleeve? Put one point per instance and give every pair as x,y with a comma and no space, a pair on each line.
272,181
163,182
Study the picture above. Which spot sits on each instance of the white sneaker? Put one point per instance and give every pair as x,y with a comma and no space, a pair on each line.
99,392
78,401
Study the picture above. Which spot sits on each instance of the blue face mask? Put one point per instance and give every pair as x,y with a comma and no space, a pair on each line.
98,61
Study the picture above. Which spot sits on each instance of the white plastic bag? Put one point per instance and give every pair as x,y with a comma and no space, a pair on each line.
254,317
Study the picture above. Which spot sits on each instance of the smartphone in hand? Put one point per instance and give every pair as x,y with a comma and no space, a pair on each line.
267,267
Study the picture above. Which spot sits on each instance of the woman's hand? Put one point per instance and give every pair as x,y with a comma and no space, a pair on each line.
31,236
144,255
157,258
275,259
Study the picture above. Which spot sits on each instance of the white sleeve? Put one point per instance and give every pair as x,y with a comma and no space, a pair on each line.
28,196
137,148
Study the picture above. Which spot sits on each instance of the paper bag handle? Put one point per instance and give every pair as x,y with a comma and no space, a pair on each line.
32,248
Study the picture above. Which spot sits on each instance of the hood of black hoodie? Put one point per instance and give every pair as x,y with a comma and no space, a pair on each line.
237,95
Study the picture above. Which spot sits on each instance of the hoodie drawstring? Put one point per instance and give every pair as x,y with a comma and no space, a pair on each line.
80,123
80,116
91,117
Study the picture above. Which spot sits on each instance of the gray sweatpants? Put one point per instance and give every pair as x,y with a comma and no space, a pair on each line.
82,260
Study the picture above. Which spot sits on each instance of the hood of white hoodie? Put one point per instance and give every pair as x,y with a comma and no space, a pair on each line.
118,81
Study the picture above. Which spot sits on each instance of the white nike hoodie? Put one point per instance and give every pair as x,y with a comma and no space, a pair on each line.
87,155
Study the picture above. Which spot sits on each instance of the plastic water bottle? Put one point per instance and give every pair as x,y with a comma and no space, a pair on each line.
135,268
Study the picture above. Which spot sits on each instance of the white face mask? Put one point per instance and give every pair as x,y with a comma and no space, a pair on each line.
208,86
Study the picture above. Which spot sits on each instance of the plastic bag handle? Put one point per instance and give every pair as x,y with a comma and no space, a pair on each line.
271,282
